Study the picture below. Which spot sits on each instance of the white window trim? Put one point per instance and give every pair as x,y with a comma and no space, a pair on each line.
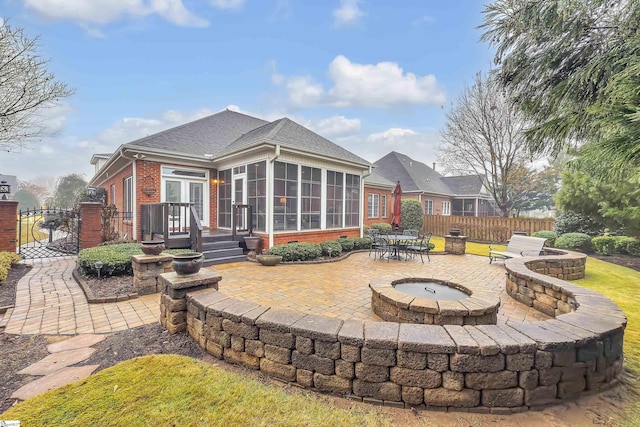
375,211
426,202
383,205
446,211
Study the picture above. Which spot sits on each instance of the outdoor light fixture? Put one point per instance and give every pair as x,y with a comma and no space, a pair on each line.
208,156
98,265
91,191
217,181
4,189
283,200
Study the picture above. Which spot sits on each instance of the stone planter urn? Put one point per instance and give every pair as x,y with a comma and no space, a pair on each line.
455,232
152,247
252,243
269,260
187,264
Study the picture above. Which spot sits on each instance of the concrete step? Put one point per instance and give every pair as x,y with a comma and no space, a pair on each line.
212,246
225,260
222,253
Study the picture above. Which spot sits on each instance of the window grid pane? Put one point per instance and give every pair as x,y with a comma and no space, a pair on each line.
257,194
334,199
352,200
224,199
310,198
285,196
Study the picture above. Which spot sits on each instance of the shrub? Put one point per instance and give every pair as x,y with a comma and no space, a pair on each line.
336,248
574,222
412,215
297,251
355,243
546,234
621,242
633,247
605,245
7,259
579,241
115,258
382,226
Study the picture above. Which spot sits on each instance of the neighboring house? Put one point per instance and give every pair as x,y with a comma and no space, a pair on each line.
438,195
378,194
301,186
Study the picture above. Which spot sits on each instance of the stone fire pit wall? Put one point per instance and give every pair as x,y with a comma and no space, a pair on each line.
483,368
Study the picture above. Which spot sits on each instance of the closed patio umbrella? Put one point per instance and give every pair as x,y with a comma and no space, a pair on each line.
397,206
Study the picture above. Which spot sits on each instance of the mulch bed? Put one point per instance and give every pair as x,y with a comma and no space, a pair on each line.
8,286
619,259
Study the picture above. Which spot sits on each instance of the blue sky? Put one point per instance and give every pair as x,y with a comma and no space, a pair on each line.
370,75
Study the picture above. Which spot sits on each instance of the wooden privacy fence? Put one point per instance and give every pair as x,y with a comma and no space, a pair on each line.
487,229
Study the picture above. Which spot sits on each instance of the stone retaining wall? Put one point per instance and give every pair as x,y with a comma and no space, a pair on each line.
540,282
484,368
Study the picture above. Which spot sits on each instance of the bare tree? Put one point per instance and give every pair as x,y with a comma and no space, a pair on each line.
484,135
26,88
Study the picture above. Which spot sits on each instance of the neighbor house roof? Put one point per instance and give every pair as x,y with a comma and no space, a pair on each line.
377,179
464,185
414,176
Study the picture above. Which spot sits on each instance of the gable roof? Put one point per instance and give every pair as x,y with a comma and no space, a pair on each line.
376,178
464,185
290,134
229,132
413,175
208,135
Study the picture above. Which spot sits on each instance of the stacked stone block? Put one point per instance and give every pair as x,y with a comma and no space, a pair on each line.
146,271
455,245
174,314
480,368
540,283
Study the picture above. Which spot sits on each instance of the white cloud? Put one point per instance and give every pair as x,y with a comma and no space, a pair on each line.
426,19
381,85
331,127
334,127
66,154
102,12
420,146
347,14
227,4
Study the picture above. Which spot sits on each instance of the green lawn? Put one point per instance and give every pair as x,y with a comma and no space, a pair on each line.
165,390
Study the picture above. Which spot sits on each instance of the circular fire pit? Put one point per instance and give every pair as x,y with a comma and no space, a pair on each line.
431,301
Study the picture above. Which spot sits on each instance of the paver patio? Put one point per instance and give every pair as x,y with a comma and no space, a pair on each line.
341,289
49,301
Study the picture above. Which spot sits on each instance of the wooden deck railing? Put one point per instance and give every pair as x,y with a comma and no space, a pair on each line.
170,220
241,220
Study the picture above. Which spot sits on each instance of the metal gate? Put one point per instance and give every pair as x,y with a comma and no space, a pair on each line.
49,232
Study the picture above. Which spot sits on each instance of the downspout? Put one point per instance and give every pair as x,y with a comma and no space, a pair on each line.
364,175
270,195
134,191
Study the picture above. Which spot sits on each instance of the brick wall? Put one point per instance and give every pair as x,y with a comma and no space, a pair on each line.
91,227
148,188
312,236
376,220
8,225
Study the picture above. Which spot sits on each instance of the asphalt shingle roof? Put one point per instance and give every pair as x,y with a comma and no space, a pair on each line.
413,175
208,135
467,184
290,134
228,132
377,178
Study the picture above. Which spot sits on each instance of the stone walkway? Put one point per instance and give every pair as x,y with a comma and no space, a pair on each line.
56,370
50,302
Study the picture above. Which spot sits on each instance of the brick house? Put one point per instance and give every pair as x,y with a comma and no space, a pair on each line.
300,185
438,194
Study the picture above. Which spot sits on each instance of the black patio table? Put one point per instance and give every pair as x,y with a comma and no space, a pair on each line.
395,240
